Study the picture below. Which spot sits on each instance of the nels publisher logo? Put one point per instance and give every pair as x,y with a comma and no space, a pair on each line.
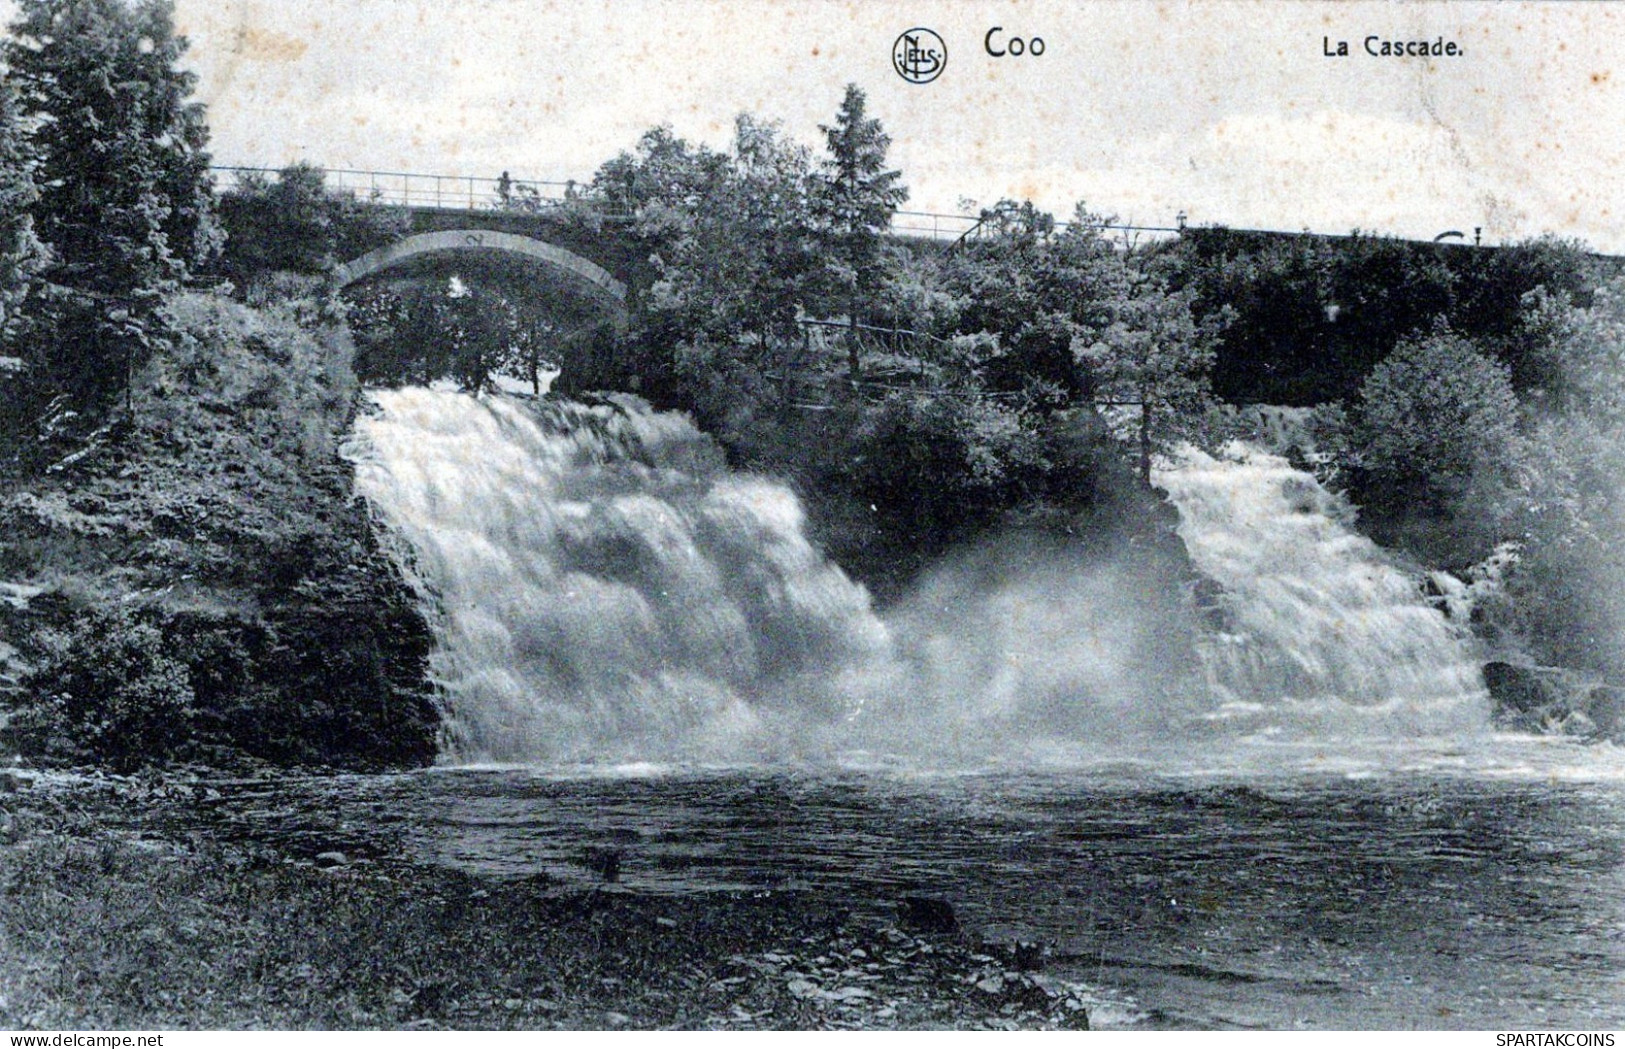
919,55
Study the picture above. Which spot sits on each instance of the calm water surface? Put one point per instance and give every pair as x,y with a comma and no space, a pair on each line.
1280,887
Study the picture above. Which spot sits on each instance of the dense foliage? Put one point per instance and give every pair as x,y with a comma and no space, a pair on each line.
21,253
215,589
295,224
928,397
1569,588
1311,315
1514,489
1435,430
125,202
109,692
22,256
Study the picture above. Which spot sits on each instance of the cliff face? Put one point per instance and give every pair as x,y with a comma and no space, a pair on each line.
197,580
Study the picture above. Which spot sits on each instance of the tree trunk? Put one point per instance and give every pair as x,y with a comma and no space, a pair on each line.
1145,441
852,341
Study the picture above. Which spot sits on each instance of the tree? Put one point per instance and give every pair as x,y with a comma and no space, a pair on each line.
21,258
1152,352
21,254
296,224
664,174
1017,289
1432,411
469,329
1436,449
734,280
856,199
1496,292
1078,318
100,78
126,202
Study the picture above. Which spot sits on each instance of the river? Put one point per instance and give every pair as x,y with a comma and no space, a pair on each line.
1278,886
1316,827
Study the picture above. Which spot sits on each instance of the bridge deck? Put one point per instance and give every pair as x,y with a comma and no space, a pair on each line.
473,195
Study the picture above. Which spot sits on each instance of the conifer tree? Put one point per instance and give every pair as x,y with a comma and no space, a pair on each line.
857,197
21,254
125,200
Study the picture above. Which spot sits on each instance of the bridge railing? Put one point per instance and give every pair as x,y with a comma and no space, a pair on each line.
406,189
933,225
504,195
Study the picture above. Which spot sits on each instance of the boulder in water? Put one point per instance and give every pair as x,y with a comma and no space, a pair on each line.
1606,705
1514,688
931,914
1554,699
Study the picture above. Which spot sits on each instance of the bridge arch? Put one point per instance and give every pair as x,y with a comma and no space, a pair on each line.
597,280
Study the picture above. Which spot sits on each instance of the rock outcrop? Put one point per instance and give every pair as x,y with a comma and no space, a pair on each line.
1555,700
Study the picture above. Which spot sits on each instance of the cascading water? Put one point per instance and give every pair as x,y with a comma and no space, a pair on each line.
1322,630
603,588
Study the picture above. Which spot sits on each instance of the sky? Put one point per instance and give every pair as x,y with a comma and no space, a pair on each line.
1229,112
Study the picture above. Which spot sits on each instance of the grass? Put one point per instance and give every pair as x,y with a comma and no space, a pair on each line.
104,925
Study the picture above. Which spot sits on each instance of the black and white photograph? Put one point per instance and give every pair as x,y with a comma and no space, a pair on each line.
680,515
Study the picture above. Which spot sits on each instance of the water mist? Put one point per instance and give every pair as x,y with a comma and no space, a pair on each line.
1322,630
603,589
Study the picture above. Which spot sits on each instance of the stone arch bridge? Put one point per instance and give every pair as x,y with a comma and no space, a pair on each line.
519,219
583,273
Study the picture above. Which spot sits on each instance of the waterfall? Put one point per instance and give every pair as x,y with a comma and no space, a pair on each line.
1319,629
603,589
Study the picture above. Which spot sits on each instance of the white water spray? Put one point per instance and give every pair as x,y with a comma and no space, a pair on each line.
1324,632
602,589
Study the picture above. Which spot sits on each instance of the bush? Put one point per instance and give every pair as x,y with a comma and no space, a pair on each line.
1435,449
1434,411
296,224
107,692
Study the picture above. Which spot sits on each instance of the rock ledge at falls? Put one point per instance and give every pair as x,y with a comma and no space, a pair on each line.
195,581
1555,700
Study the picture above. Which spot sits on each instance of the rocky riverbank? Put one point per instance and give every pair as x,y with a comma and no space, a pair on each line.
110,920
1554,700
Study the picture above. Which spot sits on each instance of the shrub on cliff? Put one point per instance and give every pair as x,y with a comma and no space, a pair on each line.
1436,449
107,692
225,512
